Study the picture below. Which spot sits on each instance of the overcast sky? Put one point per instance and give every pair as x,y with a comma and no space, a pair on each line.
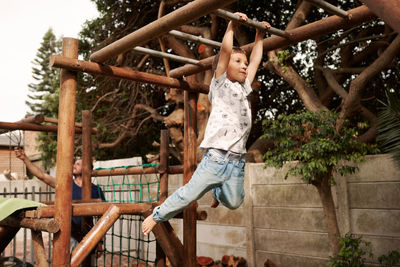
23,24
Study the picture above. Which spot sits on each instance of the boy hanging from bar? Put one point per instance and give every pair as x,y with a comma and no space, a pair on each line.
228,127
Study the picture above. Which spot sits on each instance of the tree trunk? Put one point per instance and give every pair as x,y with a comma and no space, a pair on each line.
290,75
258,149
325,193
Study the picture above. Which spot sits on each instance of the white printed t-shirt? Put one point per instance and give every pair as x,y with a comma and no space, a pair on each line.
229,123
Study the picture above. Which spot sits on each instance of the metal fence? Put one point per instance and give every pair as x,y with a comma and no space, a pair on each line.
20,249
123,243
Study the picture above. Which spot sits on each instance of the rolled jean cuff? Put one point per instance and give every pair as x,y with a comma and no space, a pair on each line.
156,215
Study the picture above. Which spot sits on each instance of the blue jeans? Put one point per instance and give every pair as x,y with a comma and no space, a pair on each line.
215,171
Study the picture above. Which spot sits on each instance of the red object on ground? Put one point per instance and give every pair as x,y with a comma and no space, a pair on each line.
204,261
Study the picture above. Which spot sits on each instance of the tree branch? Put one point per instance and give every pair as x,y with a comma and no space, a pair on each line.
358,84
306,93
300,15
372,131
127,127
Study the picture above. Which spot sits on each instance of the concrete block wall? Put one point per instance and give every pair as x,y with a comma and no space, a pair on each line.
374,203
282,218
288,223
289,226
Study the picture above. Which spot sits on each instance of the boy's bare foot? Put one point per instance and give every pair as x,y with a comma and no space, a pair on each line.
214,203
148,224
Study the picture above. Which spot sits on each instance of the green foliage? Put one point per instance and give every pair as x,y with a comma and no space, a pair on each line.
352,253
113,101
283,57
48,149
310,138
354,250
389,260
44,94
389,126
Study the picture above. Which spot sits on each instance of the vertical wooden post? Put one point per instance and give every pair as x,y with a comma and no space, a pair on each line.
164,155
40,255
65,156
189,166
86,172
86,155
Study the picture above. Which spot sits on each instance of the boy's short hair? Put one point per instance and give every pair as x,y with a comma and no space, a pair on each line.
216,58
80,158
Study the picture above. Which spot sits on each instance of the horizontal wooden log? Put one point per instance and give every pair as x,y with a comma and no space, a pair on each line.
178,169
249,23
32,127
96,208
48,225
125,73
38,118
93,209
201,215
77,124
74,201
28,119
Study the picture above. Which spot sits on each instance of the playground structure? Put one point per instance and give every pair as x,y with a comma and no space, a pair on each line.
63,209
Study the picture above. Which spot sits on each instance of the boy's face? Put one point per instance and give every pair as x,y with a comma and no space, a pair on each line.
77,168
237,68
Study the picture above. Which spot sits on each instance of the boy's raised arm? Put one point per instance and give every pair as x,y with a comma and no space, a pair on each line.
35,170
256,53
226,47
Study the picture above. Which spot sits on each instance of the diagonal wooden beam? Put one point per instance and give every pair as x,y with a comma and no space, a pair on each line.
329,8
94,236
183,15
169,242
328,25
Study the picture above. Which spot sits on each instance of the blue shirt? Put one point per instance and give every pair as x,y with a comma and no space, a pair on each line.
77,195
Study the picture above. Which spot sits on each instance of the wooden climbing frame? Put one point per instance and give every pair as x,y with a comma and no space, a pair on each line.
179,255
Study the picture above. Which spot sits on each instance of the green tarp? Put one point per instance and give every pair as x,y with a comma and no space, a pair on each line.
10,205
